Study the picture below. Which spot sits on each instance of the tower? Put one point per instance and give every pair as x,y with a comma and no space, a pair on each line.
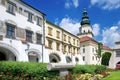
85,28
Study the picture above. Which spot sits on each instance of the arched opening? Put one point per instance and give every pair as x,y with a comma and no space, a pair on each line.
2,56
54,58
68,59
33,57
118,65
6,55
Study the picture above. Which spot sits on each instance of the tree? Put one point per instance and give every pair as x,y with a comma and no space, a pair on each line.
105,58
99,52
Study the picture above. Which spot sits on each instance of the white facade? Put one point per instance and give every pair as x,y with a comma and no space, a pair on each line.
88,52
115,57
21,38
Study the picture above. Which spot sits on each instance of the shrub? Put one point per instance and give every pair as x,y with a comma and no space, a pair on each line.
27,69
92,69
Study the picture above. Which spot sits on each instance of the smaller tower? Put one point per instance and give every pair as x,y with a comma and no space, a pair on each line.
85,28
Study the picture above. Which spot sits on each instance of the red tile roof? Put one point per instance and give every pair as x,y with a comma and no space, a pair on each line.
106,48
86,38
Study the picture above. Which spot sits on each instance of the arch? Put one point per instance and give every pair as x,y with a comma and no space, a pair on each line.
11,22
34,55
68,59
118,65
8,52
54,58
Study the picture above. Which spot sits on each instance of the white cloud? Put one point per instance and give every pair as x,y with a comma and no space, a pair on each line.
76,3
107,4
118,23
111,35
56,21
67,5
70,3
70,25
96,29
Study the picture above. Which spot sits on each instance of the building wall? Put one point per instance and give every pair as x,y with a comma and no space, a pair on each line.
89,52
72,44
19,19
115,57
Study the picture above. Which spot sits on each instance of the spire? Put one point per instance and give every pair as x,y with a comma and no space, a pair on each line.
85,18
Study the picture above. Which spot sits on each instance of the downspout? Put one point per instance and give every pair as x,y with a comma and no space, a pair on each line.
43,42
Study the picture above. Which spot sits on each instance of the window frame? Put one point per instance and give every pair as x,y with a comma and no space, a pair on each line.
58,34
29,35
39,21
30,17
38,38
50,44
11,8
10,30
50,31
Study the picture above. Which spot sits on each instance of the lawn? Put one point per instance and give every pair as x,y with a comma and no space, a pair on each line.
114,75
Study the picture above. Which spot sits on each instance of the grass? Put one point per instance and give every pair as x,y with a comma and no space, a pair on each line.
114,75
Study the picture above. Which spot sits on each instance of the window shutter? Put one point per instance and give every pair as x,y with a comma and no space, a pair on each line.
20,33
3,2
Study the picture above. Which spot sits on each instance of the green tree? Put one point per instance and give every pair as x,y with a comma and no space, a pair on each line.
105,58
99,52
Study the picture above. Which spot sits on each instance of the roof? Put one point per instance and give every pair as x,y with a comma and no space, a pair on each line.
86,38
106,48
61,28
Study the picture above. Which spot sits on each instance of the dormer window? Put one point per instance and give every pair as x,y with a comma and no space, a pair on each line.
11,8
30,17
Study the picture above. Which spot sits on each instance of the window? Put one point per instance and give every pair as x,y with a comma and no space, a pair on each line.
49,31
64,48
93,58
58,46
83,58
58,34
29,35
83,50
117,53
69,39
39,21
39,38
74,50
73,41
78,50
11,8
93,50
77,43
50,44
64,37
10,31
20,10
30,17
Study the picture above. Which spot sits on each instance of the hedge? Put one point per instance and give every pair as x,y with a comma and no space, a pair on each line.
92,69
39,71
30,69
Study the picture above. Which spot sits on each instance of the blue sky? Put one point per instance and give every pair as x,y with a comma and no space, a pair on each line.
104,16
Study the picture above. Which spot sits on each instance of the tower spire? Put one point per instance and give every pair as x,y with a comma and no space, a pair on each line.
85,18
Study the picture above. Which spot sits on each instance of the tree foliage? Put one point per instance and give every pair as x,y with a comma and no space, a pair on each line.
105,58
99,52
